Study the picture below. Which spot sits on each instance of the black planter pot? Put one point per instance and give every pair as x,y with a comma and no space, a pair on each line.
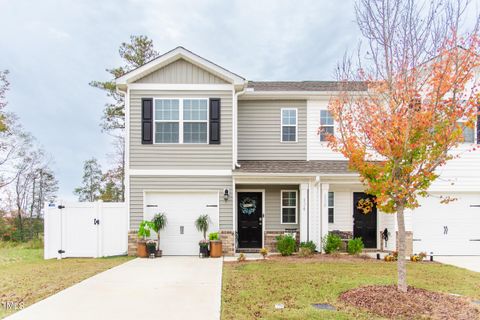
151,250
204,252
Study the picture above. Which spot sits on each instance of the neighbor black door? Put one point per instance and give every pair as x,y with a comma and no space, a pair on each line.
249,212
365,224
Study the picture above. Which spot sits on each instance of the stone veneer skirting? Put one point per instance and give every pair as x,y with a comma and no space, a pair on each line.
228,241
132,243
271,239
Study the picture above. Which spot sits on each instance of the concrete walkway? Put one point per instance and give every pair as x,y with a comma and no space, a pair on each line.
165,288
471,263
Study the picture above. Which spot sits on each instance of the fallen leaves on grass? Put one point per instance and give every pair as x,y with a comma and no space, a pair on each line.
388,302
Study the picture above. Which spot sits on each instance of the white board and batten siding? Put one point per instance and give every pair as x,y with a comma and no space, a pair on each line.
85,229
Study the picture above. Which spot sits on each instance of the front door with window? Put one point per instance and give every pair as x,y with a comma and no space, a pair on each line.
365,219
250,216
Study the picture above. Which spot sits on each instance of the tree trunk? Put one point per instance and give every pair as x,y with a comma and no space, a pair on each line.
401,262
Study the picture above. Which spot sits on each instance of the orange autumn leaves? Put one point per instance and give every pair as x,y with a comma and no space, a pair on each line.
396,134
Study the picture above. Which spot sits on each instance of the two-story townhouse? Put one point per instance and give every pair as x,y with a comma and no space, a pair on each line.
203,140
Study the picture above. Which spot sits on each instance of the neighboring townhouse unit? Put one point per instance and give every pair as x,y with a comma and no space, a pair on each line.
203,140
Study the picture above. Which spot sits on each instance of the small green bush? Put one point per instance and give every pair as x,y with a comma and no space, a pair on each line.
332,243
310,245
213,236
355,246
286,245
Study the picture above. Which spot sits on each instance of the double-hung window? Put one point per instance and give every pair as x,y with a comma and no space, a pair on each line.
181,120
289,125
468,133
289,206
326,125
331,207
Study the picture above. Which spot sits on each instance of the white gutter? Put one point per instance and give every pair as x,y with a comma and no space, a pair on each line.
235,126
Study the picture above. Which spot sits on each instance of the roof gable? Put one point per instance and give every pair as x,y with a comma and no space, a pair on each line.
172,56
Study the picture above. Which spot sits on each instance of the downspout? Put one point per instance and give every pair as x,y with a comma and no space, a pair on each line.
235,125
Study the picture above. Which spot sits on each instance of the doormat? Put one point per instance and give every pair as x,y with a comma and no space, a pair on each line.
324,306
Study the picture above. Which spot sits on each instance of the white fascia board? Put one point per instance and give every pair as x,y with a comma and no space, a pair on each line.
260,174
180,87
174,55
178,172
250,95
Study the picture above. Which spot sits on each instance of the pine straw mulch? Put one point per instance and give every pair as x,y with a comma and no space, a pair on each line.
388,302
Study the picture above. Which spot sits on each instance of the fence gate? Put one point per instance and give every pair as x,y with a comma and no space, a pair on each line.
85,229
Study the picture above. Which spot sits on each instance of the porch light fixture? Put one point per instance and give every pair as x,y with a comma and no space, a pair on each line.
226,194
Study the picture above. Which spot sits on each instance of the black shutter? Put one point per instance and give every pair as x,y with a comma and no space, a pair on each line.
214,130
147,120
478,125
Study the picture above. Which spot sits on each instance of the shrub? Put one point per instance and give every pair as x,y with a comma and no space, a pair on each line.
305,252
213,236
332,243
145,229
264,252
286,245
355,246
310,245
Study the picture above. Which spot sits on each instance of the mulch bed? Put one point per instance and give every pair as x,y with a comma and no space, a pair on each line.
388,302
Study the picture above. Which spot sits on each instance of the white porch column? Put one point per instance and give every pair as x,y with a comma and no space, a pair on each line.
324,210
314,214
303,211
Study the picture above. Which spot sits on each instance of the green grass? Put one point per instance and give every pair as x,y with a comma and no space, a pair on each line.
251,289
25,277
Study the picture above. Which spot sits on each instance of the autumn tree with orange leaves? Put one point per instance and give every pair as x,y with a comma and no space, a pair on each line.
419,74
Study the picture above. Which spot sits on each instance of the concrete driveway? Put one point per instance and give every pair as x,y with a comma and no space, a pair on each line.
471,263
165,288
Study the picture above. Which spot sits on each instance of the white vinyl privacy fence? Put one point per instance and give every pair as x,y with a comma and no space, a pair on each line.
85,229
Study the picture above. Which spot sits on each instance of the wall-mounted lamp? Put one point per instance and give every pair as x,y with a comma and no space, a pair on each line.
226,194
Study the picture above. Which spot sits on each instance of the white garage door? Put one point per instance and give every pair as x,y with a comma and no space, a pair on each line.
180,237
448,229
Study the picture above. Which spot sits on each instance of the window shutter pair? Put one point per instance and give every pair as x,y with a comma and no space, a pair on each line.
147,121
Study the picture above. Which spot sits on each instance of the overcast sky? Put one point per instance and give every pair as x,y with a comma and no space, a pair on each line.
54,48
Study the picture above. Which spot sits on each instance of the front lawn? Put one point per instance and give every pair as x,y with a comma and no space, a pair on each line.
26,278
251,289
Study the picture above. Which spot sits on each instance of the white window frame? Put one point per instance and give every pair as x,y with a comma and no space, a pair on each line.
331,207
180,121
289,125
320,126
286,207
462,121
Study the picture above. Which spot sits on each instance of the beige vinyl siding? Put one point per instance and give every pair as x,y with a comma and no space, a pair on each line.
343,211
139,184
259,131
273,212
180,156
181,71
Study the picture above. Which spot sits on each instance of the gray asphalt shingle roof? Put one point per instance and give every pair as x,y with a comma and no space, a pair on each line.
306,85
294,166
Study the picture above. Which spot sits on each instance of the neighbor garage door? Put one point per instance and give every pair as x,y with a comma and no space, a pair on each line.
182,209
448,229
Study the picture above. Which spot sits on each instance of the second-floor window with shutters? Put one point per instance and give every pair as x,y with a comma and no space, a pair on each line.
326,125
181,120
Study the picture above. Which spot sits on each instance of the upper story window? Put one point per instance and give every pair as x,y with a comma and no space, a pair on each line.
181,120
326,125
289,125
468,133
289,206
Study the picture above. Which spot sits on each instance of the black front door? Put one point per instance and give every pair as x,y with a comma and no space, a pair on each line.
365,219
249,212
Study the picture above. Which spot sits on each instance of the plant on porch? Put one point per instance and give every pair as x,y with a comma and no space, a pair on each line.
159,223
419,72
144,231
202,224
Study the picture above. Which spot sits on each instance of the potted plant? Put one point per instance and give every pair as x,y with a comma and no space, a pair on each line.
143,233
159,223
215,245
151,248
202,223
203,244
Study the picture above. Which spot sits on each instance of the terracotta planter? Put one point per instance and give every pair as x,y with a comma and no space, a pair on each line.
142,249
215,248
